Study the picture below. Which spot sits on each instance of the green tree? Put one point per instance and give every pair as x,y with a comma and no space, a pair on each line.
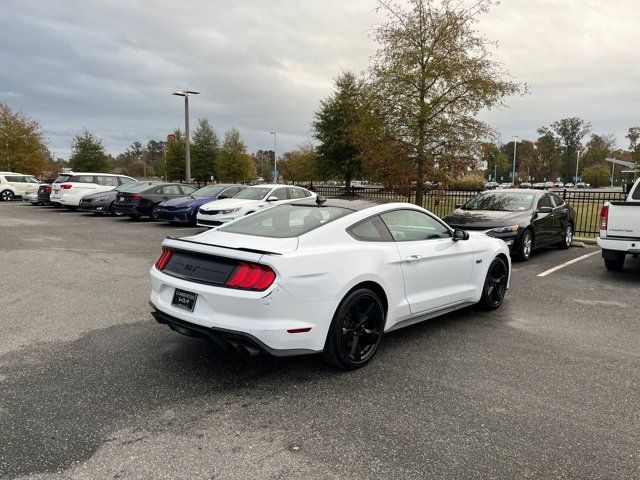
431,76
21,143
549,152
264,164
204,150
571,131
634,143
338,154
599,148
234,164
496,160
175,158
154,154
299,165
87,154
597,175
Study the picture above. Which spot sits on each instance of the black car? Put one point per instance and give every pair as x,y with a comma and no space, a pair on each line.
44,194
143,200
104,202
524,219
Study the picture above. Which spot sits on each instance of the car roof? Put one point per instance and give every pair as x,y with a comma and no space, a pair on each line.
355,205
273,185
95,173
522,191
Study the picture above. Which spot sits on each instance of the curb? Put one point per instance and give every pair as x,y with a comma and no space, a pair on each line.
585,240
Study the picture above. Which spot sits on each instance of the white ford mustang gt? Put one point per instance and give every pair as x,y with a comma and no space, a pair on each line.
326,276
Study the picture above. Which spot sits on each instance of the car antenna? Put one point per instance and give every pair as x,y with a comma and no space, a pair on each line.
320,199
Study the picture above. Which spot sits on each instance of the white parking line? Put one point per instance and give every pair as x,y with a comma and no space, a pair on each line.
566,264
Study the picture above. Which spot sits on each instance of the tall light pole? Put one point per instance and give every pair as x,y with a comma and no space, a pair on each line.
185,94
275,156
515,144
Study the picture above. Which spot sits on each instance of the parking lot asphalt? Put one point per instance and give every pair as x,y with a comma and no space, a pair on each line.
92,387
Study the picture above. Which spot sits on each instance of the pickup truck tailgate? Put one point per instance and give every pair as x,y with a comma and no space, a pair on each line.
624,219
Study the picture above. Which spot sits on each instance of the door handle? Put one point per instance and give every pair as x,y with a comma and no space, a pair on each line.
413,258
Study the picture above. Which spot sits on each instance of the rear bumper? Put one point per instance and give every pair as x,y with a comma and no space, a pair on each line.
263,317
130,209
223,338
631,247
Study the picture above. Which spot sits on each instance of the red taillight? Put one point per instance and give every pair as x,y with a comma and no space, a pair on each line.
135,197
47,188
604,217
251,276
66,186
167,253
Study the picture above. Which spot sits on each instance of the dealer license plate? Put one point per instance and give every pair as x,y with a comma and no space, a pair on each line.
184,300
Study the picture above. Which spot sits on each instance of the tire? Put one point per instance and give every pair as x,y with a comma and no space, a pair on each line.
495,284
112,210
356,330
568,237
525,246
614,264
6,196
154,213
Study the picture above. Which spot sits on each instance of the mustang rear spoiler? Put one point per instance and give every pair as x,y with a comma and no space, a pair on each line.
242,249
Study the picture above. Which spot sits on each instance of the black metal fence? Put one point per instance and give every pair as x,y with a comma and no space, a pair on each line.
586,203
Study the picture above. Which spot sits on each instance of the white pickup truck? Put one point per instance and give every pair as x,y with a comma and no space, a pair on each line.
620,229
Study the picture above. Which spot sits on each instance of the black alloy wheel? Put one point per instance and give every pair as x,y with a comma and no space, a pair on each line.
525,246
356,330
154,213
113,211
6,195
495,285
568,237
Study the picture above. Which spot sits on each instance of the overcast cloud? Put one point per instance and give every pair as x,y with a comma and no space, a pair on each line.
264,65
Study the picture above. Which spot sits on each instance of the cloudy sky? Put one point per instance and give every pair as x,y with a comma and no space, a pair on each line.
110,66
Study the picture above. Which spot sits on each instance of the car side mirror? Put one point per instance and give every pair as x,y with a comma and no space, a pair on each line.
545,210
460,235
272,198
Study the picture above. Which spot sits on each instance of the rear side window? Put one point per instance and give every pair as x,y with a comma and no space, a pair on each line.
171,190
61,179
370,230
125,180
108,181
16,179
286,221
296,193
81,179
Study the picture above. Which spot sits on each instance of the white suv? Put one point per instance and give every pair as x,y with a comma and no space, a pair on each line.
69,188
249,200
16,185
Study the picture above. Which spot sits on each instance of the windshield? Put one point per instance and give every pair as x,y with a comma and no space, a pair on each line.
286,221
501,201
253,193
208,191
